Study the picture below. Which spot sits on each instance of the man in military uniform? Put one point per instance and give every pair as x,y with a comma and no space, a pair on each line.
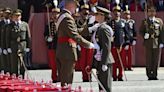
5,51
51,40
86,54
68,36
118,26
152,32
103,37
130,40
20,43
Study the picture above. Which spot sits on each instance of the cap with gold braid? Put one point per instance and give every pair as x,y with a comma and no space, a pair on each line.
7,10
17,12
101,10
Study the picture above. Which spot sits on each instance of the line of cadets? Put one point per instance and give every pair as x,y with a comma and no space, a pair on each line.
123,40
14,41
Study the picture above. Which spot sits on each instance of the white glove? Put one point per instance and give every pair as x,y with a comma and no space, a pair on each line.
78,47
146,36
27,50
5,52
126,47
9,50
98,55
104,68
161,45
134,42
49,39
93,28
0,51
94,46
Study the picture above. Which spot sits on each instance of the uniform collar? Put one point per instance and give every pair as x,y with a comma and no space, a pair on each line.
152,19
66,10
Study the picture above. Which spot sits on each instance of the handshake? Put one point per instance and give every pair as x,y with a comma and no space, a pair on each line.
94,46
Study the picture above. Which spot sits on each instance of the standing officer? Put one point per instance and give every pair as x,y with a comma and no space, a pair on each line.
23,40
130,39
118,26
152,32
4,41
86,53
103,37
68,36
51,40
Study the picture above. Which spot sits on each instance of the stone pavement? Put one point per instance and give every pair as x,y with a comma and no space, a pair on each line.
137,81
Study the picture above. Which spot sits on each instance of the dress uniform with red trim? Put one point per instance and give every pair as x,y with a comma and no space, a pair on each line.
68,38
118,26
130,39
86,55
51,39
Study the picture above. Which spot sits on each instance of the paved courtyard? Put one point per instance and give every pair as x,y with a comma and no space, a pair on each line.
137,81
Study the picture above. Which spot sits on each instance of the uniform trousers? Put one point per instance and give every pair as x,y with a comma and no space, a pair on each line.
52,63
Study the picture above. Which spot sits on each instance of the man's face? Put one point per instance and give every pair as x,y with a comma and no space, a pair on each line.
55,15
117,13
99,17
127,16
17,17
6,15
84,13
151,12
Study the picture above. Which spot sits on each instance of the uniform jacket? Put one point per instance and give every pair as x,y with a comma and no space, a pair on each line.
68,28
3,38
130,31
119,32
53,44
104,36
155,30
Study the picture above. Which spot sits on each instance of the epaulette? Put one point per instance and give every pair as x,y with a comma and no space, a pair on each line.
131,20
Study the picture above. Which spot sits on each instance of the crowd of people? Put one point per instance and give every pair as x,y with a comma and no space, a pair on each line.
14,41
84,35
111,41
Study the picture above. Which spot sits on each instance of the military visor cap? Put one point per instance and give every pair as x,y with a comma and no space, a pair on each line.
17,12
56,10
151,8
7,10
103,11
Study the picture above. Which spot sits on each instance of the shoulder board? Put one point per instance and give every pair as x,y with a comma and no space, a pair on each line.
131,20
159,20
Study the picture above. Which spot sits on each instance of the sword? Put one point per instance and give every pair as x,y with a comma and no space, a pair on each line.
159,58
24,66
91,72
98,81
122,66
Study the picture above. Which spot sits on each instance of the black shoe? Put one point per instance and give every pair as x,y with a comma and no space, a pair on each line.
120,79
150,78
155,78
114,79
55,81
85,80
125,69
130,69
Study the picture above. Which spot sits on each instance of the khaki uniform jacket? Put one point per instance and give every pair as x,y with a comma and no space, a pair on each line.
155,31
68,28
